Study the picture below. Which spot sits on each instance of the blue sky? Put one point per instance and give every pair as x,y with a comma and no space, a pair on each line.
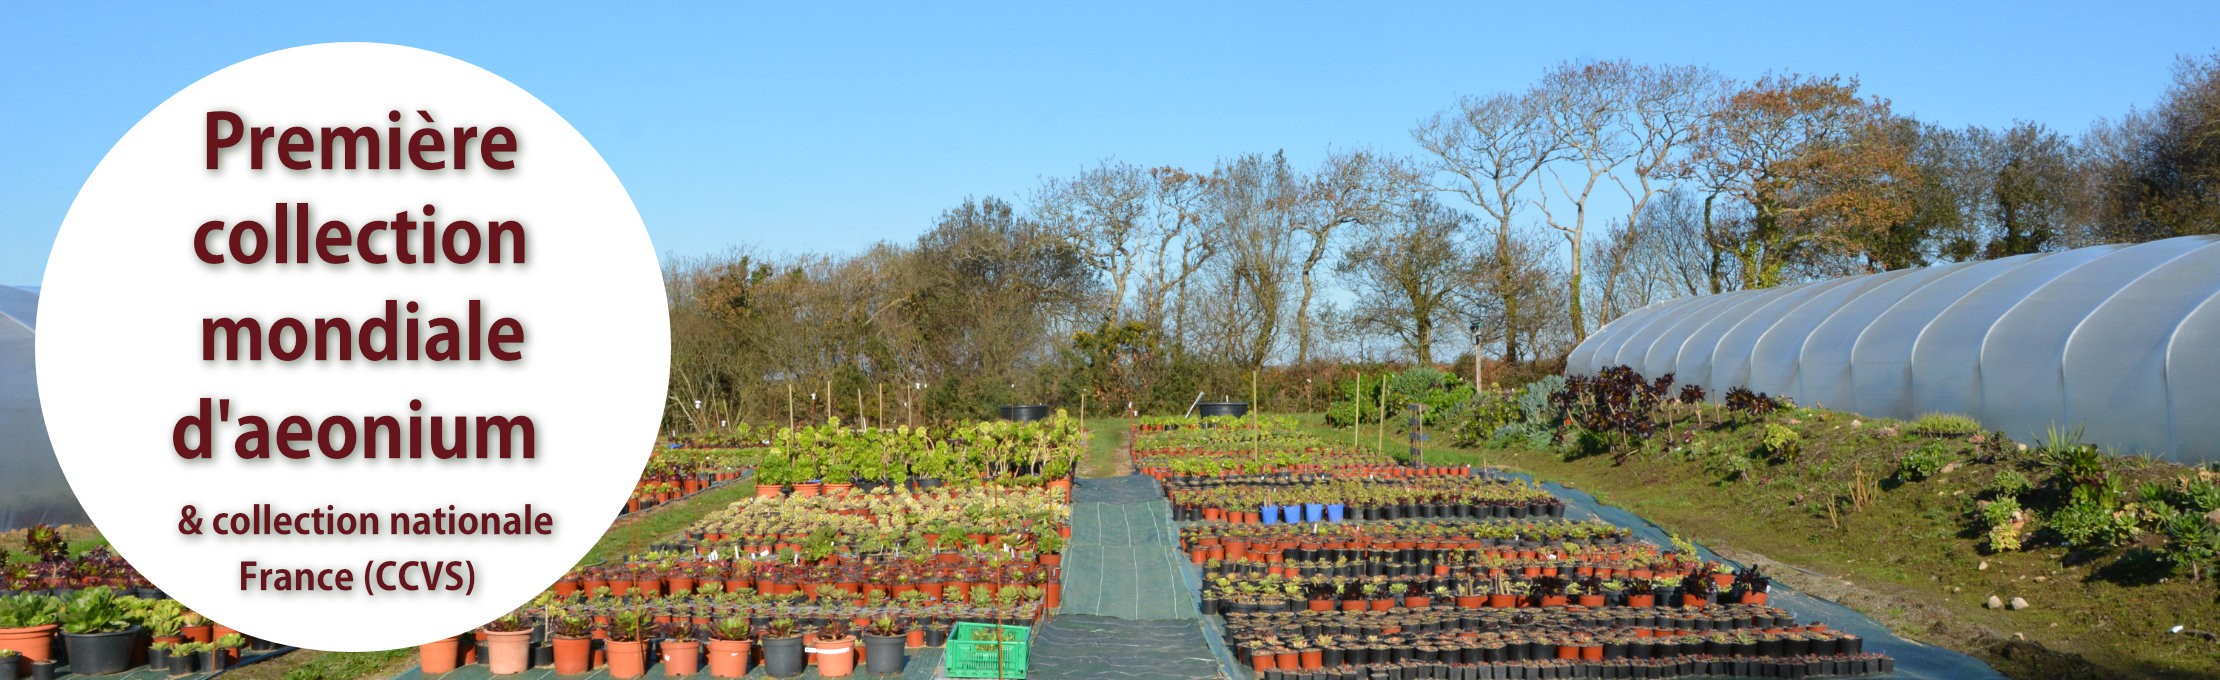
831,127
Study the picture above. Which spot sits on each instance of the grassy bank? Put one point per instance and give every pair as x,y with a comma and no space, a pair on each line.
1902,547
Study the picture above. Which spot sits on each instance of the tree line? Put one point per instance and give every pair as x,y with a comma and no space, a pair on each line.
1518,222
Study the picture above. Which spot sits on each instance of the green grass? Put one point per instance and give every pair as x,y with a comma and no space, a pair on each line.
1104,453
2093,615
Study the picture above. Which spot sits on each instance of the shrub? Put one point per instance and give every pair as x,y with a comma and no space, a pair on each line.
1746,402
2001,516
2086,524
1443,393
1729,465
1781,443
1944,425
2009,483
1615,403
1538,415
1926,461
2191,542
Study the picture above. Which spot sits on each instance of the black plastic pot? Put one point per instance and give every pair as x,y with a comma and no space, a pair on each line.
1025,412
1223,408
212,661
181,664
100,653
43,670
783,657
883,654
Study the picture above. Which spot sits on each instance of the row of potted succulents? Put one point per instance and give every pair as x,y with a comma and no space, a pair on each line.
1270,648
830,458
725,635
673,474
1274,593
1362,499
933,578
100,632
1437,540
881,527
1604,559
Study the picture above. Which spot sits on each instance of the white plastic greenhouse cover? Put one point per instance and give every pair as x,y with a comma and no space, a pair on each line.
2123,341
32,489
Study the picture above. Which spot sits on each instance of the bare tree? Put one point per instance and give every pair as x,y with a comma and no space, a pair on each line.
1354,187
1185,239
1664,107
1489,147
1101,211
1582,106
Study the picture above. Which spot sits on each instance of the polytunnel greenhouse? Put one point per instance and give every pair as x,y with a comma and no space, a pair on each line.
31,486
2121,340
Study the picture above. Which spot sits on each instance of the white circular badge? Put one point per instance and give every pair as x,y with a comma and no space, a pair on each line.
352,346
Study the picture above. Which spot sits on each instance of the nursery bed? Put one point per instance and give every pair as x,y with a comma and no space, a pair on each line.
924,664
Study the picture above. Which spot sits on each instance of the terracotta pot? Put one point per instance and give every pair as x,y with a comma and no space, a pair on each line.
35,643
916,638
1313,659
1641,600
439,657
1591,601
573,655
194,633
509,652
806,490
1591,652
1416,602
1503,600
835,658
728,658
681,659
626,659
1568,652
769,490
1753,598
1263,660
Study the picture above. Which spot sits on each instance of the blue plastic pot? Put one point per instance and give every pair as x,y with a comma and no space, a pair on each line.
1336,511
1314,512
1291,514
1269,514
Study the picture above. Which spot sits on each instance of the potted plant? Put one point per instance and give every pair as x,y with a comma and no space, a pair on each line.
509,644
681,650
27,625
883,645
626,643
835,650
573,641
439,656
729,644
95,632
221,652
185,657
782,648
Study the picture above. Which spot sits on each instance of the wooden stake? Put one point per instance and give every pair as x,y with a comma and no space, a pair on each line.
1256,434
1382,432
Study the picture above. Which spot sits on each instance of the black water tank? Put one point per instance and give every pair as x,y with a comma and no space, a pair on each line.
1224,408
1025,412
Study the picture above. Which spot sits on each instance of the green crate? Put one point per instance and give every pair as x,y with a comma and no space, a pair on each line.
968,656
